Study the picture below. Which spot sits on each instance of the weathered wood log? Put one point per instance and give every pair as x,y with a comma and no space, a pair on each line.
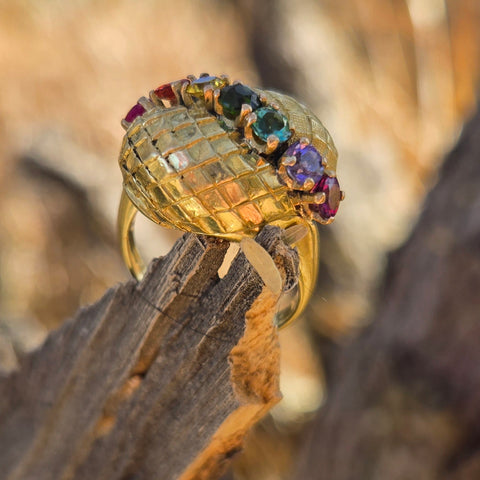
404,396
160,379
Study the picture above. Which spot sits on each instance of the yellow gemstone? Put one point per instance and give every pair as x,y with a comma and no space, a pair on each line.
196,87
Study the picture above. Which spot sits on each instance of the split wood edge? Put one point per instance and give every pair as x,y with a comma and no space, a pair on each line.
101,407
255,371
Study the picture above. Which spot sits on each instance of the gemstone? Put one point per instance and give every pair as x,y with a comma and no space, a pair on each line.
333,194
165,92
308,163
271,122
196,86
234,96
136,111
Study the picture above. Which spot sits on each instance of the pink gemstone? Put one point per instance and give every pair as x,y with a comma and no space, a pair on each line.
136,111
165,92
331,188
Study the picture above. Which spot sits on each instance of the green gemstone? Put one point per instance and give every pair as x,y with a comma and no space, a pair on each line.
234,96
271,122
196,87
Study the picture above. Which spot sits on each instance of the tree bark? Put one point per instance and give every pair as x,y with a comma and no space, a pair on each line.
160,379
404,397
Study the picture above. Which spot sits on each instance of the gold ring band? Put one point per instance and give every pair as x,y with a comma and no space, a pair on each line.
290,306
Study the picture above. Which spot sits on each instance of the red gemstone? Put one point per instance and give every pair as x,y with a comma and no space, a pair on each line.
165,92
333,194
136,111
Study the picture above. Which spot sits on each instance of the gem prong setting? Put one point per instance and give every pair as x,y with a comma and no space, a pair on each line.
289,161
208,96
263,99
259,122
272,143
304,198
217,107
309,183
186,97
225,78
146,103
248,121
241,120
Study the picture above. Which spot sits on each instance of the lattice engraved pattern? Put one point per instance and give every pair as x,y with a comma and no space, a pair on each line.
208,184
306,124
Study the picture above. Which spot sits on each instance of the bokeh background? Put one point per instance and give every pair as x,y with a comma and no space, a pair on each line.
393,81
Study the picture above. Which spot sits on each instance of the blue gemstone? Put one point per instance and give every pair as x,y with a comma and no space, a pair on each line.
271,122
308,163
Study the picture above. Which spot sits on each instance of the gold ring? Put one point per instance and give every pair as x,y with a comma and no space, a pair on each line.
212,157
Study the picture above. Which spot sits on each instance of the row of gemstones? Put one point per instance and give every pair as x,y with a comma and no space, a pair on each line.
306,162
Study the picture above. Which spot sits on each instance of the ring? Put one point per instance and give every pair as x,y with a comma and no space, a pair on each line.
212,157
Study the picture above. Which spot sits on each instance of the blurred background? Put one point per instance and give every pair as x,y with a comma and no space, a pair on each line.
393,81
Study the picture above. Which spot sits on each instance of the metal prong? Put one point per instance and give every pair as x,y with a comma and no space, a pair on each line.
319,198
216,104
244,112
342,195
296,198
160,102
145,103
154,99
192,78
204,75
208,95
186,97
304,141
300,198
309,183
250,119
318,218
125,124
330,173
226,78
272,144
289,161
275,106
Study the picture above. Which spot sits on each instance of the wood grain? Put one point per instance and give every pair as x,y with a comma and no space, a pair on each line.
160,379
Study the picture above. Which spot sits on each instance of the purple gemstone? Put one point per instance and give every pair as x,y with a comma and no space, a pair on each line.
136,111
331,188
308,164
